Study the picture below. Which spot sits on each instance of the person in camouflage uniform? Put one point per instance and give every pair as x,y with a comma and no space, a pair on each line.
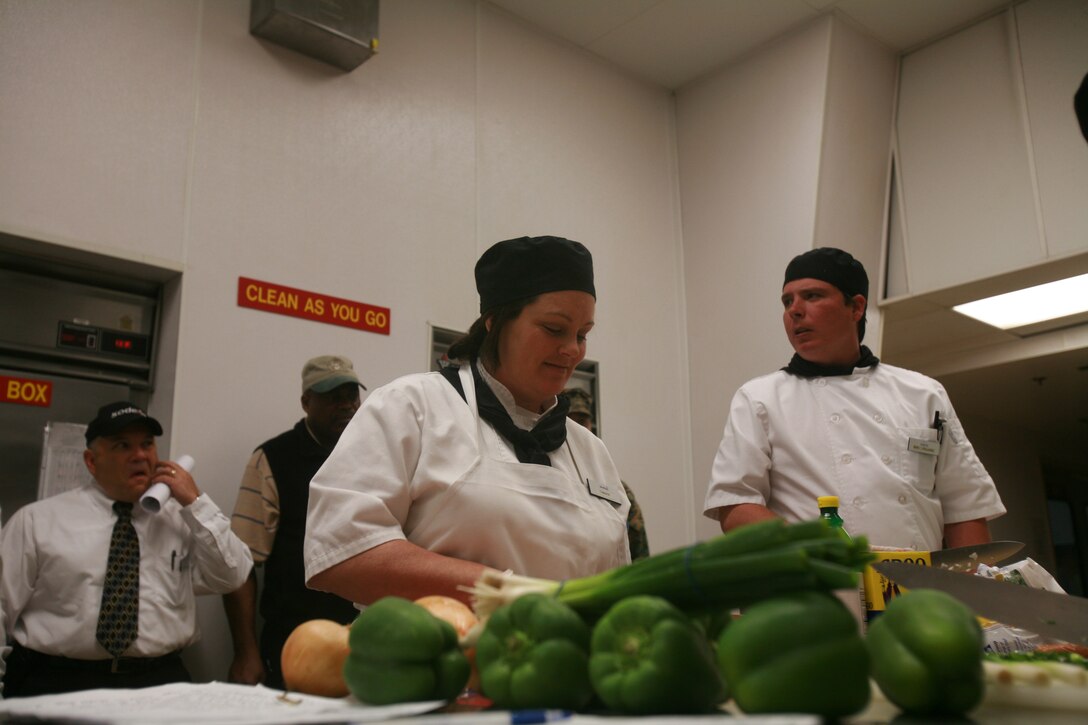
581,412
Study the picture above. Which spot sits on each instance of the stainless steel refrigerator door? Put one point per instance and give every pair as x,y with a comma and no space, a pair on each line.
22,430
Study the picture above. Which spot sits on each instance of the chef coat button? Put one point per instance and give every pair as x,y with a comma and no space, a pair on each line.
821,382
878,417
887,460
835,418
847,458
902,498
865,382
857,502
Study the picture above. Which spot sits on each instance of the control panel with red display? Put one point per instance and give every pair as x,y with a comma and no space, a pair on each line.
99,340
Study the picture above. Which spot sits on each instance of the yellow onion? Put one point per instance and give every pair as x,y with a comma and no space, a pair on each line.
458,614
451,610
313,657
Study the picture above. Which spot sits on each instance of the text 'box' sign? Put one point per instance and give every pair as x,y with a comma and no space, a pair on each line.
26,391
314,306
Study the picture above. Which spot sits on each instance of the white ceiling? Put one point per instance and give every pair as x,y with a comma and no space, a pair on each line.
673,42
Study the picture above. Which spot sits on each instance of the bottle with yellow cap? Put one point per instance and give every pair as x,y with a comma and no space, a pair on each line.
853,599
829,512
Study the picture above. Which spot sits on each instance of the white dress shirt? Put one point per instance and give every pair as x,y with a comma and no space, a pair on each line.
55,551
789,440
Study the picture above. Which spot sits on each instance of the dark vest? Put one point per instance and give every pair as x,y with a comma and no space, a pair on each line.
294,458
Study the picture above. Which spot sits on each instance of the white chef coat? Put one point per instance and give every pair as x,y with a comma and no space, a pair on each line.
417,463
55,553
789,440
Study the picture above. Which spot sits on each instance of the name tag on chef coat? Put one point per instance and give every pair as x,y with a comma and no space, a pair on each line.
926,448
605,491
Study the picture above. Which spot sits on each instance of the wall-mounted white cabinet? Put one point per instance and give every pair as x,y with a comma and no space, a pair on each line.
992,169
1053,39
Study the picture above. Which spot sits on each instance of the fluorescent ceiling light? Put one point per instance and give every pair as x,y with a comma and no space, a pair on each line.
1032,305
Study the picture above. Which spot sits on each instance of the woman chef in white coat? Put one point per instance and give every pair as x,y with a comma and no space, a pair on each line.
441,475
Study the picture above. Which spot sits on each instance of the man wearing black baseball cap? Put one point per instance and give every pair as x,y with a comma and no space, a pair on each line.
837,421
98,592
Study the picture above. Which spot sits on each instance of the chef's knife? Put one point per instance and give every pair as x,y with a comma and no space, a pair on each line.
1058,616
969,557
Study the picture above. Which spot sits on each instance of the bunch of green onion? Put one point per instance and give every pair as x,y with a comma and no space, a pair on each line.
745,565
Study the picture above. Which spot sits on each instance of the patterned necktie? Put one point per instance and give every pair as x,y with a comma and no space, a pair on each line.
118,617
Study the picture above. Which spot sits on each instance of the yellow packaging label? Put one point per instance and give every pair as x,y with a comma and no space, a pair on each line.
879,589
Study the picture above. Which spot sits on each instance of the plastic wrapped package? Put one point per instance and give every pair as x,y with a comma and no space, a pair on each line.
1005,639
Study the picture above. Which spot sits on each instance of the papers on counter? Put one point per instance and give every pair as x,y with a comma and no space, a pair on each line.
207,704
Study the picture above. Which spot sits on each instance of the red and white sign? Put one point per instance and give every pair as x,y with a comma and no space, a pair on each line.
26,391
292,302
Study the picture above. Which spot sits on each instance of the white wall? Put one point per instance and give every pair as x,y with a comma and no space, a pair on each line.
990,154
964,159
162,131
749,143
97,107
854,159
781,153
569,146
1053,37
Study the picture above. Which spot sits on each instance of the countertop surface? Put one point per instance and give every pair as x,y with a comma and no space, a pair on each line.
214,703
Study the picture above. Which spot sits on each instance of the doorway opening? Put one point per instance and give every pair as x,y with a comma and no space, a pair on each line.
80,330
1067,507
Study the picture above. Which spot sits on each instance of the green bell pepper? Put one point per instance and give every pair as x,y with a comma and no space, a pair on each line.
400,652
648,657
534,653
796,653
926,652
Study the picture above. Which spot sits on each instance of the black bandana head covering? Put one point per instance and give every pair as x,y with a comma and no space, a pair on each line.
528,266
837,268
802,368
830,265
530,446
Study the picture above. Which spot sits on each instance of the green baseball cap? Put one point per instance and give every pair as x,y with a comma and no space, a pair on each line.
322,374
580,402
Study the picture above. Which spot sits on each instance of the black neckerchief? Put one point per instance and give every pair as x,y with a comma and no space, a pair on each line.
530,446
802,368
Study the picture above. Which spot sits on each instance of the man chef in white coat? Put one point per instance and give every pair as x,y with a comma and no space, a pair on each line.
836,421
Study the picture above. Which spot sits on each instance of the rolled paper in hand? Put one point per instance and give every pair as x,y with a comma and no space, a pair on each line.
155,496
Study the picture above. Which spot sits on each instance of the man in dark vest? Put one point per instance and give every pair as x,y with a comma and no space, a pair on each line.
270,517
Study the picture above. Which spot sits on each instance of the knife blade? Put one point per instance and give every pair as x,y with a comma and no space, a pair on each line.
962,557
1058,616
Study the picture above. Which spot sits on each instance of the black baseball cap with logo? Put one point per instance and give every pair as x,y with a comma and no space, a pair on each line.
115,417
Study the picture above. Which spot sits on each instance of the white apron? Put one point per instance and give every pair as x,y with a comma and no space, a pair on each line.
532,519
